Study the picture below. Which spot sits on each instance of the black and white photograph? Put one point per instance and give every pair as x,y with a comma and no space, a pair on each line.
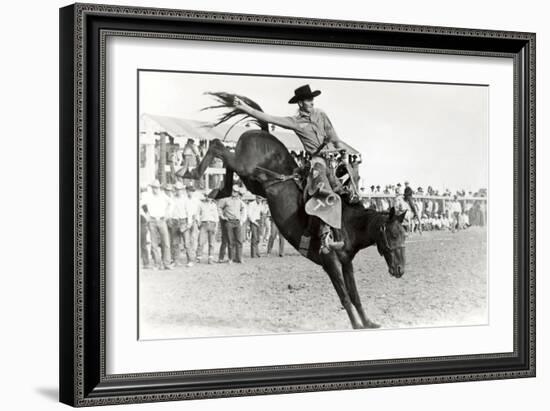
280,205
294,204
271,202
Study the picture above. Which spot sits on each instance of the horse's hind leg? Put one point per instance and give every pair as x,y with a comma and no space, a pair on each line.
227,184
331,266
349,278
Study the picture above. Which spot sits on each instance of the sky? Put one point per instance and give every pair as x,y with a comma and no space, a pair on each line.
428,134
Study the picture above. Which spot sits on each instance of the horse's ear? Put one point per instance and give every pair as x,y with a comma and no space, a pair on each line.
401,216
392,214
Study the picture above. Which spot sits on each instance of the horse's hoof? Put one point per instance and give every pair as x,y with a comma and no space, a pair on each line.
371,324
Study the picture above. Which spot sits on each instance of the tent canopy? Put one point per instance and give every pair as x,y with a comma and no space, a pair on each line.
183,129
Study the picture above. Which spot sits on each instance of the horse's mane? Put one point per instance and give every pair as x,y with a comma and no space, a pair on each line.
225,100
356,211
358,208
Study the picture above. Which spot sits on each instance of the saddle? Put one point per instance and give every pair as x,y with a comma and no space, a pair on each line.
321,199
326,186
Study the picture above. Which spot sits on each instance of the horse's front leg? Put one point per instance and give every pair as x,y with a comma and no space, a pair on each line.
331,266
349,278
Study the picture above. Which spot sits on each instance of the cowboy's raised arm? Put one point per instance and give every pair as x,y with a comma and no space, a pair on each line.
331,133
284,122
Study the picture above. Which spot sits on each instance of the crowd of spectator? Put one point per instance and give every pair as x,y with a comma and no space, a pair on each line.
436,210
177,223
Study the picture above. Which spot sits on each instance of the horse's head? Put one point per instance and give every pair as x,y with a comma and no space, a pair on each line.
391,243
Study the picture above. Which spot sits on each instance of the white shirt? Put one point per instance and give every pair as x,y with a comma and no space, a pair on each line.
157,204
254,211
193,205
169,206
244,212
179,208
456,207
208,211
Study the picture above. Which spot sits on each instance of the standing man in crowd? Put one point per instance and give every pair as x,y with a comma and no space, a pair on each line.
244,221
168,190
377,199
483,213
144,229
208,217
180,226
264,232
232,211
193,204
224,243
429,208
254,214
456,210
384,204
273,234
408,197
263,221
157,205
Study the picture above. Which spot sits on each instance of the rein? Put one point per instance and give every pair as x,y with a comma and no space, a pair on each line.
385,246
279,178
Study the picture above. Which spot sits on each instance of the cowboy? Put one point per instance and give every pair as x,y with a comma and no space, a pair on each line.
315,131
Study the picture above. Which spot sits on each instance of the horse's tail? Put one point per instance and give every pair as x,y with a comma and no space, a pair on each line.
225,100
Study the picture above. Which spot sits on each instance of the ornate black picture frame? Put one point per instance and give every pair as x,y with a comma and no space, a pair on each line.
83,30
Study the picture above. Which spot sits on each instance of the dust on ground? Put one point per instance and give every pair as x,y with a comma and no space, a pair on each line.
445,284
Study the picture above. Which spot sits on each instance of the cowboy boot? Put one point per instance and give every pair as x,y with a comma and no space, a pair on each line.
324,232
336,242
327,240
328,244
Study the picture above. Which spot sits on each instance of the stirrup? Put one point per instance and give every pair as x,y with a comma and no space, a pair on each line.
327,243
336,245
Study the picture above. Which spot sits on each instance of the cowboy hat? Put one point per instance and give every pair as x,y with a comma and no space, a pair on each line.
303,93
155,183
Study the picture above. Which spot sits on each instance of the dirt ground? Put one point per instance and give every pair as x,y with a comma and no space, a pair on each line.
445,284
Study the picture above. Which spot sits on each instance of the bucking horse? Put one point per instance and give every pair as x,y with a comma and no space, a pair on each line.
267,169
